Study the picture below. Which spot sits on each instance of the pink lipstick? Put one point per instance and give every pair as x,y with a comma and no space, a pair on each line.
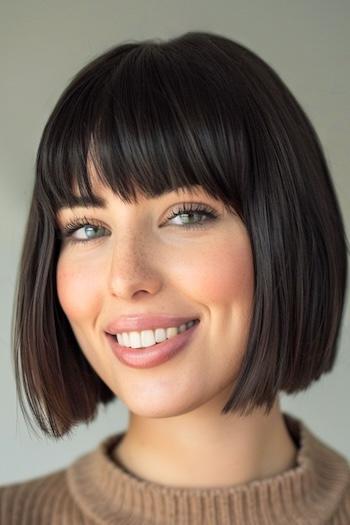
152,355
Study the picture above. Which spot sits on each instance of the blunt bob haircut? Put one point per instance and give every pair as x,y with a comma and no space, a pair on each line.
153,116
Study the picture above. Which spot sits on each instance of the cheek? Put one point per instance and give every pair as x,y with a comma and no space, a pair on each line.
224,274
78,289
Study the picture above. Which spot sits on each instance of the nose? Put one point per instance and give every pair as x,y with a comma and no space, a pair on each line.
133,268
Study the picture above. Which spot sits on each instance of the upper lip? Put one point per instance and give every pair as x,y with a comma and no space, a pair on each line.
127,323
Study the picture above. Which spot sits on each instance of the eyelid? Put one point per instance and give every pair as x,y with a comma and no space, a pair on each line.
191,207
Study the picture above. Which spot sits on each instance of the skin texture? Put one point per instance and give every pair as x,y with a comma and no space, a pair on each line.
146,263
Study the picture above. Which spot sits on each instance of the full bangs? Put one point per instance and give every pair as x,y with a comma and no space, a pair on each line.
154,121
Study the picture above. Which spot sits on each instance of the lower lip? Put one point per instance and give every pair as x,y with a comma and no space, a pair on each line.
152,355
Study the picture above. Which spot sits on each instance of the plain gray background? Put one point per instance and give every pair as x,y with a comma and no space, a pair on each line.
44,43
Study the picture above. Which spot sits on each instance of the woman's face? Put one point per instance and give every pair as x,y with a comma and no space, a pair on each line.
141,261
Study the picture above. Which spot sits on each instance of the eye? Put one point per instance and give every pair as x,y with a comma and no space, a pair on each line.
189,212
84,230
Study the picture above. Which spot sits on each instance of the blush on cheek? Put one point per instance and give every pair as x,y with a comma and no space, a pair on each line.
78,293
226,276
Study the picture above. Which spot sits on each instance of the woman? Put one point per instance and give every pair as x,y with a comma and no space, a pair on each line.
185,253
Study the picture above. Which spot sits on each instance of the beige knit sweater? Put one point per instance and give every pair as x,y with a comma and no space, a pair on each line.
94,489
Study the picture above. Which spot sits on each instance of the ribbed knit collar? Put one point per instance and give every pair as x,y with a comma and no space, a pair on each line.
309,493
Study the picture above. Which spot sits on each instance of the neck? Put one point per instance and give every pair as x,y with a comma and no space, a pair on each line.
207,449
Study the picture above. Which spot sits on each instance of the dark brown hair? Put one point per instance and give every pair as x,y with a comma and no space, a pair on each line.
154,116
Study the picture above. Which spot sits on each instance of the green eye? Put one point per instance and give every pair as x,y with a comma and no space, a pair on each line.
191,211
87,227
90,231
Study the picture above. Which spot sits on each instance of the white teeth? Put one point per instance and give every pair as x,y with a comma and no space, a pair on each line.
147,338
159,335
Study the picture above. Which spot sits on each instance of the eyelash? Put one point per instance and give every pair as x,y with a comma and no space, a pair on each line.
77,223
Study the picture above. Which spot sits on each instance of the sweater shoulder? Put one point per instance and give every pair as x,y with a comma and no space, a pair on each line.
41,500
342,514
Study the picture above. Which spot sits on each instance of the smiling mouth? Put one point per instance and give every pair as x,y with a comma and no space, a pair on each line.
152,355
134,341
